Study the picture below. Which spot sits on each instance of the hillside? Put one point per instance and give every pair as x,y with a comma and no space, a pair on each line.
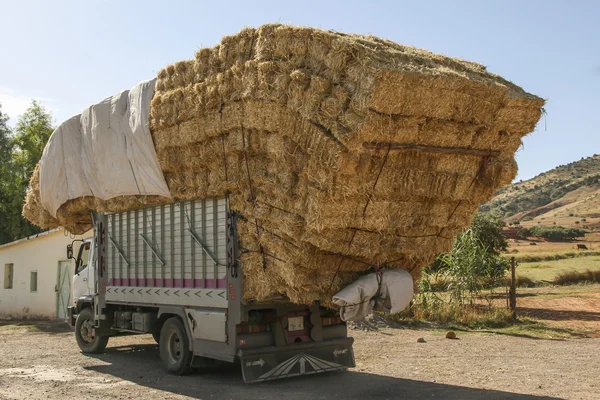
567,195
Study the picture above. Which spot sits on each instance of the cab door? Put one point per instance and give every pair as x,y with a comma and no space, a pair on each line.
83,280
63,289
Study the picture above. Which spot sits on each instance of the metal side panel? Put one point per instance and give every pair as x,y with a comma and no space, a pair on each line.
209,325
178,245
216,298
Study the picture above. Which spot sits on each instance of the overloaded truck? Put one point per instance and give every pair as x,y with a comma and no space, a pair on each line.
173,271
295,168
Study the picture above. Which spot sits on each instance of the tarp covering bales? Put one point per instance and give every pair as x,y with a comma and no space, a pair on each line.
104,153
341,152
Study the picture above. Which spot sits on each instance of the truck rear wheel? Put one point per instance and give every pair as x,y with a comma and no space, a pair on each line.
85,333
173,347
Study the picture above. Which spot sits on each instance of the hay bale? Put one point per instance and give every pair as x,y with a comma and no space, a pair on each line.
341,152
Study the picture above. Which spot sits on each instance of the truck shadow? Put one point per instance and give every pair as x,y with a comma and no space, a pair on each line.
141,365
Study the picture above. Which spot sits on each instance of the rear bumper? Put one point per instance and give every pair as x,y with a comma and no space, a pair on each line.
268,363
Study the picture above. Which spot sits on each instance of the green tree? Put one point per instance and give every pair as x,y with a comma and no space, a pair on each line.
6,147
487,228
25,147
486,234
5,142
470,267
31,134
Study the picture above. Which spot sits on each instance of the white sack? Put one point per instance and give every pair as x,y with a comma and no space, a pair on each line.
105,152
356,300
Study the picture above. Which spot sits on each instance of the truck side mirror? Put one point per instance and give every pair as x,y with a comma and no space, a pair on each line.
70,251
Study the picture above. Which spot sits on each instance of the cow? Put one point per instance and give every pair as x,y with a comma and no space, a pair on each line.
581,247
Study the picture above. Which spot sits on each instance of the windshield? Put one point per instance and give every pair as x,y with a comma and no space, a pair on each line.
83,257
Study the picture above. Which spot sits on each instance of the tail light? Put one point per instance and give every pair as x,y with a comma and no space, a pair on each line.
326,321
252,328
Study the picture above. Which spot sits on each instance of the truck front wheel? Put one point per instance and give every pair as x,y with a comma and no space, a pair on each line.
174,347
85,333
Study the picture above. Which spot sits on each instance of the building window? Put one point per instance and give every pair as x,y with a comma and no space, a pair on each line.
8,276
33,281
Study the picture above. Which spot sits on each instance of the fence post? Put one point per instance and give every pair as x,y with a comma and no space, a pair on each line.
513,288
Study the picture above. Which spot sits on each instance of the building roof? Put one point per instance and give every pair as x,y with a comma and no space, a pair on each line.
32,237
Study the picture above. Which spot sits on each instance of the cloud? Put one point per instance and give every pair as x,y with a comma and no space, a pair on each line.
14,104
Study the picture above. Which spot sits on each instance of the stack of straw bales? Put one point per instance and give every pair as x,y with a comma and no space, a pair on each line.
341,152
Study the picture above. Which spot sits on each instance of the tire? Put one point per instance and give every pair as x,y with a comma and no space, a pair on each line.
173,347
85,333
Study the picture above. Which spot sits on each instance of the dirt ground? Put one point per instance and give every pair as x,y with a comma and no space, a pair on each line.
42,361
574,307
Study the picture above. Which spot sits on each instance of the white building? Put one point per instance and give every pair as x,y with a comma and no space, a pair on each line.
36,276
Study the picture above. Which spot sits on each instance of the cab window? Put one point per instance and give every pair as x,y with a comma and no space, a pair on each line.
82,257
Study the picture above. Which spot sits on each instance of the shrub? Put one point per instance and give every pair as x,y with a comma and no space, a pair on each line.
434,309
467,270
524,282
521,281
553,232
573,277
526,258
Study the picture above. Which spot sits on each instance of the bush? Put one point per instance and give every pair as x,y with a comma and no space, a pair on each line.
450,289
553,232
476,316
467,270
526,258
573,277
522,282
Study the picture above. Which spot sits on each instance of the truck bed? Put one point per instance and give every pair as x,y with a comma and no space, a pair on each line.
169,254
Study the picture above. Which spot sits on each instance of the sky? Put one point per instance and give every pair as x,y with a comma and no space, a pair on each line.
71,54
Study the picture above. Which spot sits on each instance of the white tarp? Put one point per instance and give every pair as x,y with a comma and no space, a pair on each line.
105,152
390,291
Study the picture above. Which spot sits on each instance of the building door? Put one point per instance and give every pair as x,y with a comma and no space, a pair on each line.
63,289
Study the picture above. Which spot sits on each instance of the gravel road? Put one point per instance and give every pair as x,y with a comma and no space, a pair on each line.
43,362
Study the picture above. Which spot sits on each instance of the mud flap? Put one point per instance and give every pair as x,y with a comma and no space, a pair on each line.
264,364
